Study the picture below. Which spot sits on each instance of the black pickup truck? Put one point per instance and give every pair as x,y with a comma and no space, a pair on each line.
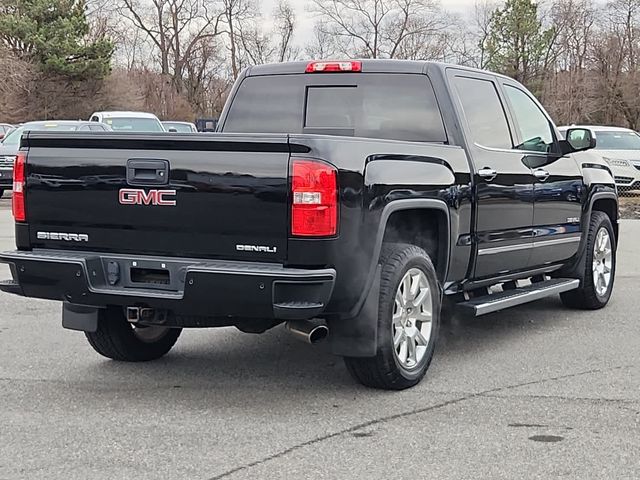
350,200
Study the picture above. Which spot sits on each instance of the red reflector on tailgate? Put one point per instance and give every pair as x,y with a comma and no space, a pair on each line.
318,67
17,202
314,199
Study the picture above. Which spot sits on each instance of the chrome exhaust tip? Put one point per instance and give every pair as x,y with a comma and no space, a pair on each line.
308,331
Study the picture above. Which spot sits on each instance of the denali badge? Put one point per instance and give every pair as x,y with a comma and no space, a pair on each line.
256,248
67,237
137,196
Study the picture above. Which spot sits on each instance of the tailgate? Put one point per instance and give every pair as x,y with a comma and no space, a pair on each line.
204,196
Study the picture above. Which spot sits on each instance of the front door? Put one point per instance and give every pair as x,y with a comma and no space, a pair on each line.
503,181
558,181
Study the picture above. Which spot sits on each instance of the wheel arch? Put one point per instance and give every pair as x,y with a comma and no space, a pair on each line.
603,201
433,205
606,202
424,223
356,335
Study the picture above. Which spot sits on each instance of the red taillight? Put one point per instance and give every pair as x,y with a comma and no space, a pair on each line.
18,187
323,67
314,197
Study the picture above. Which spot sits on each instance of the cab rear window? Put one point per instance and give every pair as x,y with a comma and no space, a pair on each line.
386,106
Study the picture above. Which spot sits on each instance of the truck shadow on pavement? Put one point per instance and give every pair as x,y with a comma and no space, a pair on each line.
228,359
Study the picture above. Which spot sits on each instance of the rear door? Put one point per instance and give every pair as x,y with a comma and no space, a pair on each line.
213,197
558,180
503,182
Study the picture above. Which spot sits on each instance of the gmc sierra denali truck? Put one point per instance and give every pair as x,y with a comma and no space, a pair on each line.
345,199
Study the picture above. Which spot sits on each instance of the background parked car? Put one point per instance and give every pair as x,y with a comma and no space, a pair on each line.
4,129
180,127
129,121
620,149
11,143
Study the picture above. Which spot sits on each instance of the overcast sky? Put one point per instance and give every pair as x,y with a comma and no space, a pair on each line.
305,20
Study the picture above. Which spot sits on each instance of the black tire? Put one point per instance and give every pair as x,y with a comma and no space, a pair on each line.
1,192
586,297
384,370
117,339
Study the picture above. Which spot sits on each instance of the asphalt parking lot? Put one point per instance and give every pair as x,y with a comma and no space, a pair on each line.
534,392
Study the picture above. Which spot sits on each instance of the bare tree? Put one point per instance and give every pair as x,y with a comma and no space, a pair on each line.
239,16
481,25
569,90
377,28
322,44
16,86
285,25
616,58
175,28
257,47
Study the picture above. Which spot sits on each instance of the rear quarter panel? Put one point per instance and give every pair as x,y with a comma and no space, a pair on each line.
373,174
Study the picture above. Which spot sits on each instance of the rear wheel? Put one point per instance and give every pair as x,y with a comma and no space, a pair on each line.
1,192
118,339
408,320
600,267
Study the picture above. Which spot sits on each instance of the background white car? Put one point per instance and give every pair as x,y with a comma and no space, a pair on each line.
620,149
129,121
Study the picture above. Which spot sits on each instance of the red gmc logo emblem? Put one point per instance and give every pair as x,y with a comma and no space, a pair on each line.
137,196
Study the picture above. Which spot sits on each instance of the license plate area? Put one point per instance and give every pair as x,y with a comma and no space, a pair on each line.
153,276
139,274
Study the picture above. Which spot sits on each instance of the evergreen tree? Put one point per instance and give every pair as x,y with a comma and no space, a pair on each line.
53,35
518,45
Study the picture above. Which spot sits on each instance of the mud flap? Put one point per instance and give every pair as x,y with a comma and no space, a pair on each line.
79,317
575,269
358,336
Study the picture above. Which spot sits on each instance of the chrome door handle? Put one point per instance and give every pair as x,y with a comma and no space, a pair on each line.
541,174
487,173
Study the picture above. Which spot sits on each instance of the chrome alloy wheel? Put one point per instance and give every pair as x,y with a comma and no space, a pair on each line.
602,261
412,318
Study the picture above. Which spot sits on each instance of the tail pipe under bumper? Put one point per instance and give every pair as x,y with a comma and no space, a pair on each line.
308,331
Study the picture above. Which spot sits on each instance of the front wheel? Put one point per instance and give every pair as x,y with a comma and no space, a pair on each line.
118,339
408,321
600,267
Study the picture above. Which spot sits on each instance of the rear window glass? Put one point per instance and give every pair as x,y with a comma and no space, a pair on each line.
331,107
132,124
397,107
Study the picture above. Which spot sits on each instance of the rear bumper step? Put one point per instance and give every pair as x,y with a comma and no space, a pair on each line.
224,289
510,298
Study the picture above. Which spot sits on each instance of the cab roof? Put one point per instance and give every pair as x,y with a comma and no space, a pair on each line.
368,66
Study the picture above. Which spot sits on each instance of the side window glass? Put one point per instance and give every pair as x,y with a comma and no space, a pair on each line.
83,128
484,112
534,127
